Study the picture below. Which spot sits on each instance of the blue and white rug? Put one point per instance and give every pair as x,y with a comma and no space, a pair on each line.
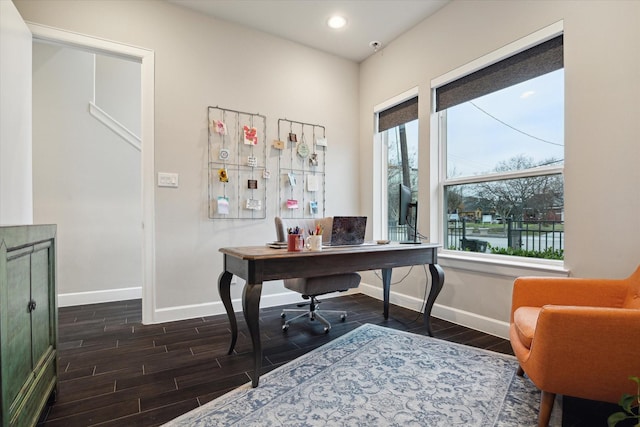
376,376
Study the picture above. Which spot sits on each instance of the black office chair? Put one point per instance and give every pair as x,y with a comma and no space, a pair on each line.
312,287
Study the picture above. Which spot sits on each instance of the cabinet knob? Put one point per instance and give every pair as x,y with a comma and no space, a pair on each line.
31,306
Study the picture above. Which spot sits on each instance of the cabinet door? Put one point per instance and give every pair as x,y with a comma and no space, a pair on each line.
41,321
18,341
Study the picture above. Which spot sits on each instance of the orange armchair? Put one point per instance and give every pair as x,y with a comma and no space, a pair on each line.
577,337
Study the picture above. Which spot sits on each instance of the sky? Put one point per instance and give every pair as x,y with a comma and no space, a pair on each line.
524,119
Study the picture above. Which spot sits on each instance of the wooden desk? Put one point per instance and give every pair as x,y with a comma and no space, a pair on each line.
257,264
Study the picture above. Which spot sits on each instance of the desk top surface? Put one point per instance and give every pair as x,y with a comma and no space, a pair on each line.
265,252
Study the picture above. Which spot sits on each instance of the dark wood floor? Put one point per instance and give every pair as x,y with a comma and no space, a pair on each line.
114,371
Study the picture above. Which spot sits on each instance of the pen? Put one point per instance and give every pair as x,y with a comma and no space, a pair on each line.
293,230
316,232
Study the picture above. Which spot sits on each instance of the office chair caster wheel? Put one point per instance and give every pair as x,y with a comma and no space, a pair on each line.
285,328
343,317
327,329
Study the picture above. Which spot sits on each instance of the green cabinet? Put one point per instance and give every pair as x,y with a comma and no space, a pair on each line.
28,322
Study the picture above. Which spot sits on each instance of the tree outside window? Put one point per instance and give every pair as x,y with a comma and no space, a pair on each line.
402,168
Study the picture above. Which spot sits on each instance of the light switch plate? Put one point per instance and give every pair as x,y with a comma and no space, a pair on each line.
166,179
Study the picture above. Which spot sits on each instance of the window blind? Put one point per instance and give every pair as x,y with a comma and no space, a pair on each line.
404,112
528,64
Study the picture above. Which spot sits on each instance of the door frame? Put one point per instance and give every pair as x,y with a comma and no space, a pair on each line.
146,58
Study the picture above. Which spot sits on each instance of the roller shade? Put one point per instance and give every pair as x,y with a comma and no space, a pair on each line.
404,112
528,64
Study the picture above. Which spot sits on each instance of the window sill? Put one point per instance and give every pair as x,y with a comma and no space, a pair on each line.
502,265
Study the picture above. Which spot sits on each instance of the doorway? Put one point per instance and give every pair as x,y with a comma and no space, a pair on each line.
145,58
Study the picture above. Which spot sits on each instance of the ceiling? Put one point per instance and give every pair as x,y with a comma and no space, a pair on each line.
305,21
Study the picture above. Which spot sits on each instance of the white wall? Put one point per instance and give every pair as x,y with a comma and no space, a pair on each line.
117,90
201,62
15,118
602,130
86,179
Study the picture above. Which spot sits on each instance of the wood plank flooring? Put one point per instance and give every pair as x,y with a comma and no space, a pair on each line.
114,371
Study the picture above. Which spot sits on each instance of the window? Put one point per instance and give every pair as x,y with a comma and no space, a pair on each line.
501,136
398,133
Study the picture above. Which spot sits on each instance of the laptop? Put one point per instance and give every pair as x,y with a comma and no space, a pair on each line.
348,230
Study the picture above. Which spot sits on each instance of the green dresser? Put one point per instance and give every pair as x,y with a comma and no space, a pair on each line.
28,322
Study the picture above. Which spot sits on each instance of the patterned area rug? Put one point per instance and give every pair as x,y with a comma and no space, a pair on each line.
376,376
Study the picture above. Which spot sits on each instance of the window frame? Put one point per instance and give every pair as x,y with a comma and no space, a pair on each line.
380,163
438,145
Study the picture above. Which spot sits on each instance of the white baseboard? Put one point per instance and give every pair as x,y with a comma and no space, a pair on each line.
96,297
172,314
475,321
175,313
460,317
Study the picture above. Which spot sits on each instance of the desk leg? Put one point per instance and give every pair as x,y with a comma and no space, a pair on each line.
386,289
437,281
224,287
251,309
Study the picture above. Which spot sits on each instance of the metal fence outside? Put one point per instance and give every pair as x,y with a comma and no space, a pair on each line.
527,235
398,233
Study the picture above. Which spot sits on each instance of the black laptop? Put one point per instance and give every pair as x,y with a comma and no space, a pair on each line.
348,230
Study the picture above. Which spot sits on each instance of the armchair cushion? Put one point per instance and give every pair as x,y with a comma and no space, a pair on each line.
524,321
633,296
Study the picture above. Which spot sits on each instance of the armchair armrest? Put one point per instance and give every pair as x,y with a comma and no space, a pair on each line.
541,291
587,352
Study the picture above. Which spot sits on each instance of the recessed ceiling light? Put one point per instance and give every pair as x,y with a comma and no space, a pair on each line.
336,22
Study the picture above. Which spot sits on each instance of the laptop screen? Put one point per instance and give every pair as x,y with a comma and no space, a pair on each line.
348,230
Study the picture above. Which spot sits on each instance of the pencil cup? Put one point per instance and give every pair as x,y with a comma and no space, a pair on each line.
295,242
314,243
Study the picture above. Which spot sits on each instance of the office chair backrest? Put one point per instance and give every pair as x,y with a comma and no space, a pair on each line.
306,224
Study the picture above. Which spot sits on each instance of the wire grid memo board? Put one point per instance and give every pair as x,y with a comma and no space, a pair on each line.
237,164
301,169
